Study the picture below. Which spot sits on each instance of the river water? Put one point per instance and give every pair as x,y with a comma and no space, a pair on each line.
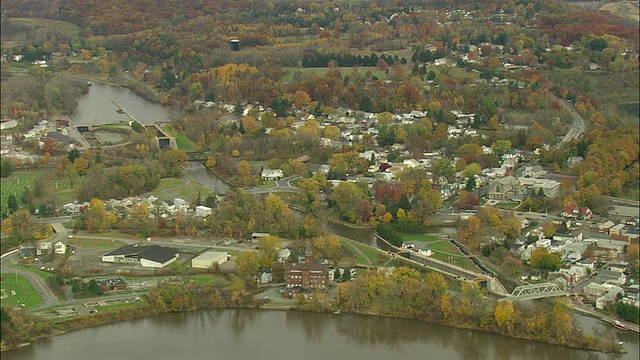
96,108
263,334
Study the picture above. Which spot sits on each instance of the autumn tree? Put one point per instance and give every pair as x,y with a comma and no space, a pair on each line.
544,261
326,246
96,216
269,247
442,168
504,315
247,263
352,202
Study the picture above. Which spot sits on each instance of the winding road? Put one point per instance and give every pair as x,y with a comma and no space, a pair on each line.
577,128
36,281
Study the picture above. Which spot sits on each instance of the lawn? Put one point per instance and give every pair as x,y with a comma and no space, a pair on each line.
170,188
16,184
95,243
24,292
349,246
419,237
217,279
43,274
443,249
183,142
289,72
508,205
372,254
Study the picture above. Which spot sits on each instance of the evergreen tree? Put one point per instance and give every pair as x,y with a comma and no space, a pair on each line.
5,168
12,203
73,155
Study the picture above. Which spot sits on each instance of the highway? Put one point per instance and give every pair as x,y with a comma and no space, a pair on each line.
577,128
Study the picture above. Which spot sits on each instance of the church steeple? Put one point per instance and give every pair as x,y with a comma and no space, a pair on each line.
308,254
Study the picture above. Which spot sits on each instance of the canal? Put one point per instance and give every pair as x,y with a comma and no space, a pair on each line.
97,108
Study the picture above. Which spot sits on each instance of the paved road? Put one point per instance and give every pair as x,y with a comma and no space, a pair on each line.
283,185
577,128
36,281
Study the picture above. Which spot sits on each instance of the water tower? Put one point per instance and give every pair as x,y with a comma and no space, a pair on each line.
235,45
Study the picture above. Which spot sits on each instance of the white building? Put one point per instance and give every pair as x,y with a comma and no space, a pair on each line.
203,211
272,175
283,255
59,248
207,260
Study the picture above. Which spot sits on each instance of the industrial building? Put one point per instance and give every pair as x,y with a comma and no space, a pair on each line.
207,259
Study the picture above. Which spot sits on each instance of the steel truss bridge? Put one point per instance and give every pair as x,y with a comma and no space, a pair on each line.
538,291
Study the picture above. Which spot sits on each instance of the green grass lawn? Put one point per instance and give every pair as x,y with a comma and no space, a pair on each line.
170,188
289,72
43,274
183,142
96,243
419,237
15,185
508,205
370,253
24,292
166,184
65,196
217,279
349,246
443,249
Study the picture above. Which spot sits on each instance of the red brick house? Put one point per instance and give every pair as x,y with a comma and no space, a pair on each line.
307,275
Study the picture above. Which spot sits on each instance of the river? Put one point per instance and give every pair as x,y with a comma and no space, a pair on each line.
96,108
263,334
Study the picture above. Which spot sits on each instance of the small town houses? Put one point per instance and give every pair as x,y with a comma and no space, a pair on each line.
165,209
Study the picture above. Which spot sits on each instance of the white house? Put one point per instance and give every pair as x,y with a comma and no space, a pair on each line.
203,211
272,175
265,277
283,255
543,243
59,248
180,204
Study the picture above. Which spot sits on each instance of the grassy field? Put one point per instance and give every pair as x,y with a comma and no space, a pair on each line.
44,26
289,72
374,255
508,205
95,243
170,188
217,279
24,292
443,249
183,142
419,237
16,184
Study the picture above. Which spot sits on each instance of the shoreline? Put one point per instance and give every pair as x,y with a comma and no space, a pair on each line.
144,312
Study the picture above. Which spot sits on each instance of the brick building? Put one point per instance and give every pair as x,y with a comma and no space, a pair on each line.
307,275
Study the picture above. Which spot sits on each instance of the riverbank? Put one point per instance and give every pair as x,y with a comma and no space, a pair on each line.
137,312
